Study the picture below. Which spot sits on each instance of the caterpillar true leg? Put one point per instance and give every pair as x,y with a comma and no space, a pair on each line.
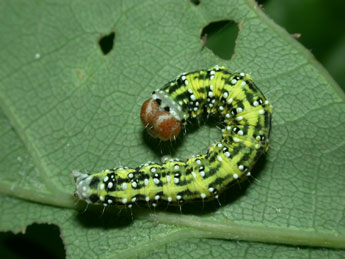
246,116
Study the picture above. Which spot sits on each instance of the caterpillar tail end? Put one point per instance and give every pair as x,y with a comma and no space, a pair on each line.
82,183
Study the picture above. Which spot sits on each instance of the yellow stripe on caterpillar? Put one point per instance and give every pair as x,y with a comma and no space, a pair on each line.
246,116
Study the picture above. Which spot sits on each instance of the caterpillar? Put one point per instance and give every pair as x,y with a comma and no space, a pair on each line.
246,117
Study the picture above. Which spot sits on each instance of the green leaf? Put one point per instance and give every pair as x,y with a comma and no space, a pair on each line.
65,106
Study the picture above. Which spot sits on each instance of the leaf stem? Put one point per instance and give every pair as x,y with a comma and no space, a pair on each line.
64,200
201,228
255,233
161,240
31,148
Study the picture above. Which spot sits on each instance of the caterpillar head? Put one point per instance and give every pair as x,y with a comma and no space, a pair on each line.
160,118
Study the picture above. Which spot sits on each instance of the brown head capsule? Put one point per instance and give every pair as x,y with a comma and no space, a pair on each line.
158,122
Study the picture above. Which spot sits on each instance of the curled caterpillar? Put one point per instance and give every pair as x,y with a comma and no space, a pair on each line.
246,115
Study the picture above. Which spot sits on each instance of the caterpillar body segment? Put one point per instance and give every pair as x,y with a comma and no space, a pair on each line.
246,116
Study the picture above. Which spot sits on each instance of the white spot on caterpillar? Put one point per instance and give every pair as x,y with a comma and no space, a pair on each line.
236,139
216,99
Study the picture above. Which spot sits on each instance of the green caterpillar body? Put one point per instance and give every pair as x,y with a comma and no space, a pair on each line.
246,114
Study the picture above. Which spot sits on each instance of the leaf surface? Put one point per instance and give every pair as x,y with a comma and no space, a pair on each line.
65,106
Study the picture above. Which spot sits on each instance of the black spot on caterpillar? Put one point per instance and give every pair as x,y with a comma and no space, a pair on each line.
233,97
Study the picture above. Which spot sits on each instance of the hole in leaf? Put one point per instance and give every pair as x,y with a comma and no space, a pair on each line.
195,2
262,2
220,37
106,43
39,241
